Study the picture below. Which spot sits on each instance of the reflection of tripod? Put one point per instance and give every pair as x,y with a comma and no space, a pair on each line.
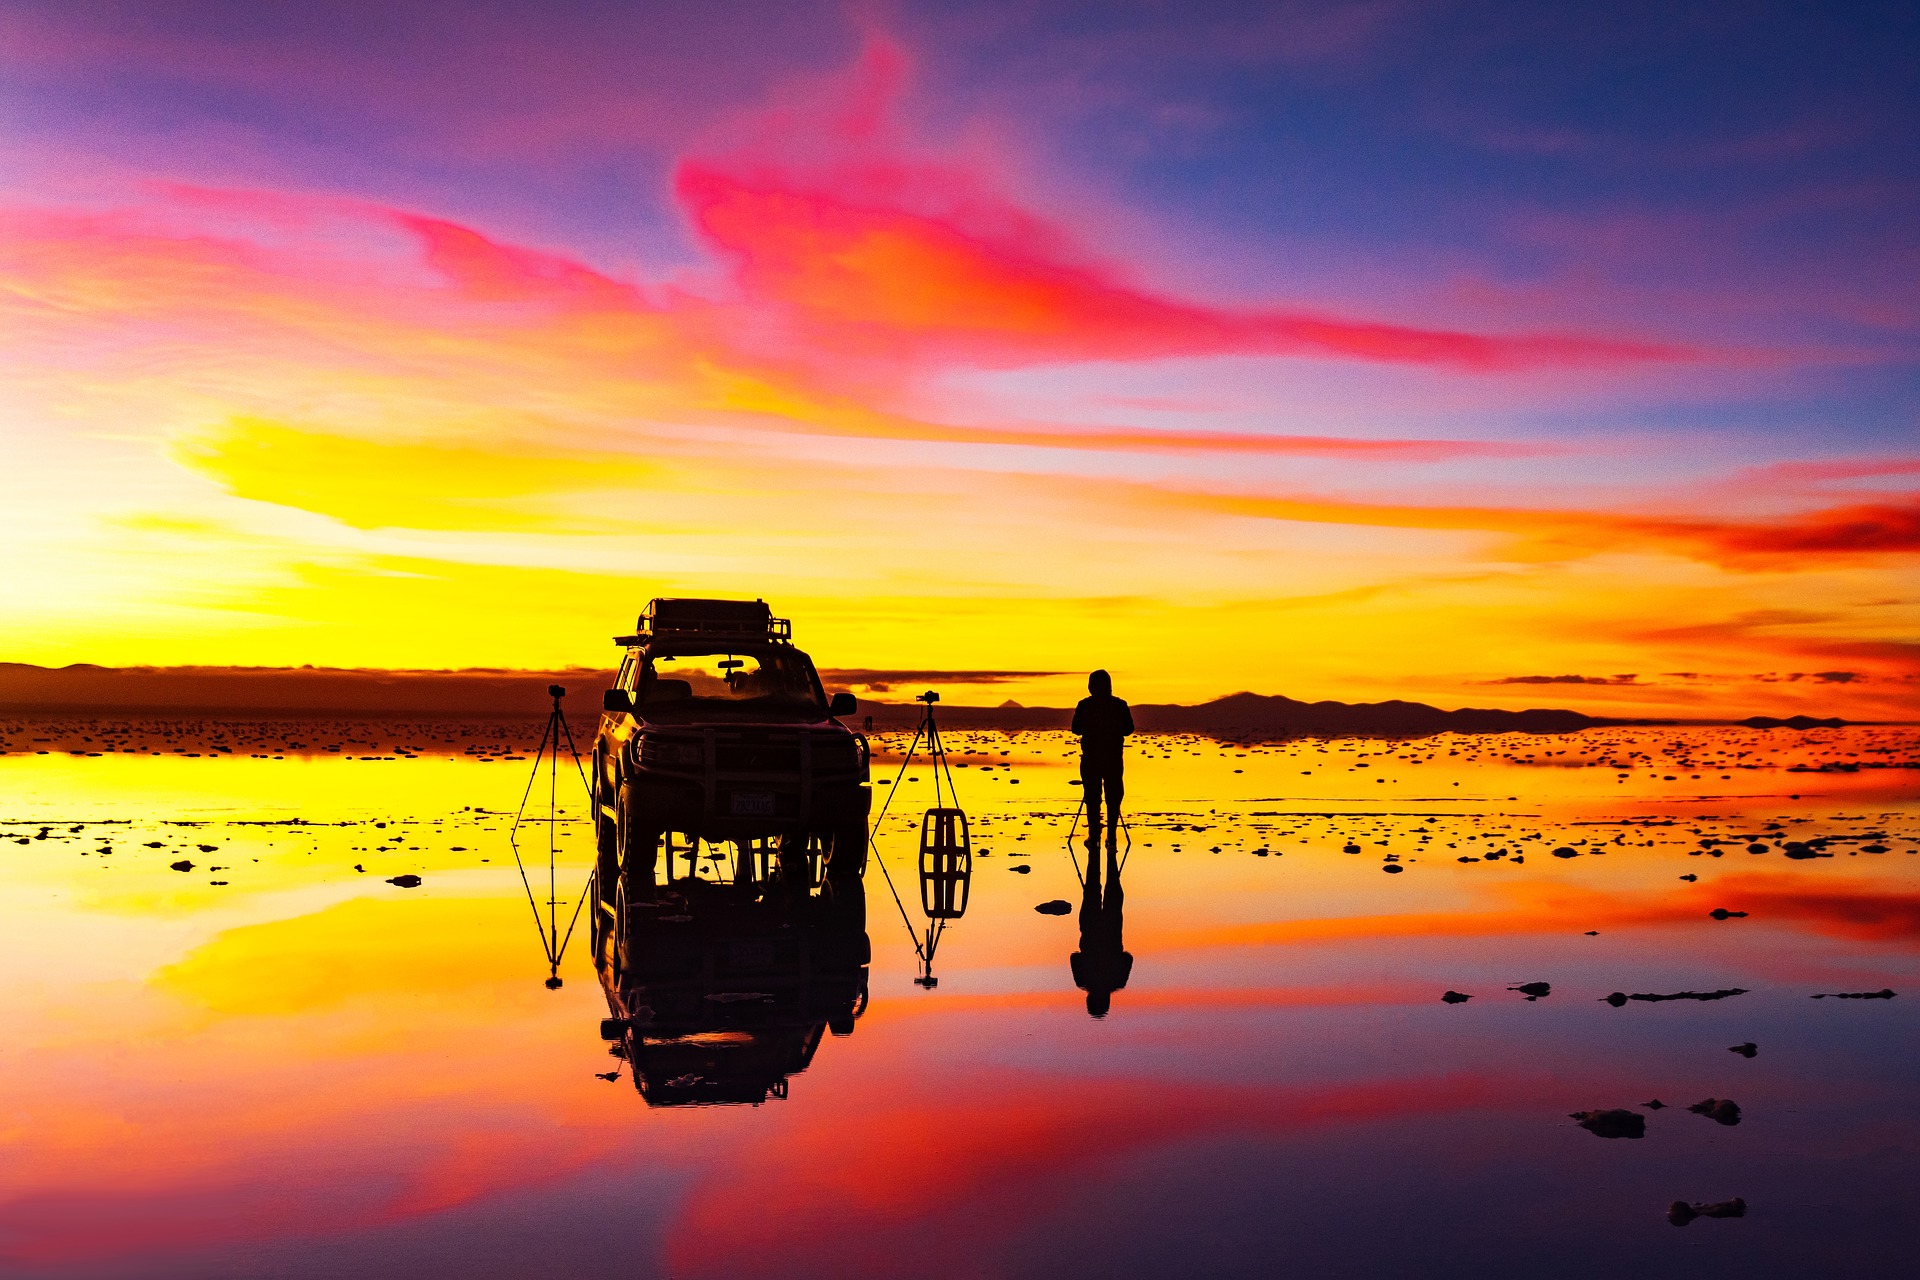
946,852
551,943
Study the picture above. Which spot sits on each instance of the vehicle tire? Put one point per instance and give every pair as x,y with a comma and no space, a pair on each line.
601,925
847,855
606,831
620,951
636,844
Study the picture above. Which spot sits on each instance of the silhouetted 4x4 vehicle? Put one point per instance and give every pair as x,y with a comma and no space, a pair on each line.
717,730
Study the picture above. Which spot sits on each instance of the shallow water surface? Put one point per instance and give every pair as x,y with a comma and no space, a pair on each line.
280,1062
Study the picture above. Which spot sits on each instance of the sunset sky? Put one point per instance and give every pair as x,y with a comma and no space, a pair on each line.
1495,355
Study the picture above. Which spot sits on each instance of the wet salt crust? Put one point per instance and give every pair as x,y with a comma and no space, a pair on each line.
327,965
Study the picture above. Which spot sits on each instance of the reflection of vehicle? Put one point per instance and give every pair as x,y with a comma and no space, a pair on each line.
717,729
721,988
729,917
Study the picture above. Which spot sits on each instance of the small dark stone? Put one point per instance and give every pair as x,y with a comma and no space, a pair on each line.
1721,913
182,865
1351,848
1655,1105
406,881
1456,997
1020,869
1616,1123
1593,933
1057,907
1746,1050
208,848
1533,990
1680,1213
1689,876
1885,993
1756,847
1719,1110
1393,868
1619,998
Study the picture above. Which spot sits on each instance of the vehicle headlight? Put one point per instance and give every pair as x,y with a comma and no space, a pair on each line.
663,753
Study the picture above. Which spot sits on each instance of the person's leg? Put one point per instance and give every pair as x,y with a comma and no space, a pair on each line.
1115,787
1090,785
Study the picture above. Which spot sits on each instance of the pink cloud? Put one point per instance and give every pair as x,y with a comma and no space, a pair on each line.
883,254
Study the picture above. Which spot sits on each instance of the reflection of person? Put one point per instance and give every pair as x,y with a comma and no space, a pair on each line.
1103,722
1102,964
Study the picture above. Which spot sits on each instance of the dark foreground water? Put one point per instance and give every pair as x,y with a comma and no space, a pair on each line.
281,1063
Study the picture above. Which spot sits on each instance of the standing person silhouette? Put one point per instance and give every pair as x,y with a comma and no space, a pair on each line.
1102,722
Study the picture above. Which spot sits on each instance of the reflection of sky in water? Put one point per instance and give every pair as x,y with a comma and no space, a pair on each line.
308,1071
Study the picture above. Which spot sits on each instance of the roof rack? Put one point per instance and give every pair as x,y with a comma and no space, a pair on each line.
708,620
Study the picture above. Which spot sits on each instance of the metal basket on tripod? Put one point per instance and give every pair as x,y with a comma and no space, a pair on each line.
946,864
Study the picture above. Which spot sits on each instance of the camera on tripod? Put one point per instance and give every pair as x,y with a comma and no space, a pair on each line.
928,697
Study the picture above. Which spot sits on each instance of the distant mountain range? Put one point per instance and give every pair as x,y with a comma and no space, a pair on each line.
299,692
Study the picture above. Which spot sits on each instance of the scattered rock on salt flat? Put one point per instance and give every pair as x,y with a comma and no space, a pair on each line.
1746,1050
1057,907
1680,1213
1456,997
1619,998
1615,1123
182,865
1719,1110
1885,993
406,881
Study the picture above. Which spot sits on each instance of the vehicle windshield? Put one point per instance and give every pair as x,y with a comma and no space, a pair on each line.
772,677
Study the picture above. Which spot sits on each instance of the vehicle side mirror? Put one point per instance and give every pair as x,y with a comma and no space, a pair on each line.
843,704
616,700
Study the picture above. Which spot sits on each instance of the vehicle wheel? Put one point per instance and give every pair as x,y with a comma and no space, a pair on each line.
605,829
847,857
636,845
622,934
602,914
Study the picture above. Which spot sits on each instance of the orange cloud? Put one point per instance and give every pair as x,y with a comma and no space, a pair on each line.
1837,533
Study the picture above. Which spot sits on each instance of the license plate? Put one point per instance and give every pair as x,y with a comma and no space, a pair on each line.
753,804
750,955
